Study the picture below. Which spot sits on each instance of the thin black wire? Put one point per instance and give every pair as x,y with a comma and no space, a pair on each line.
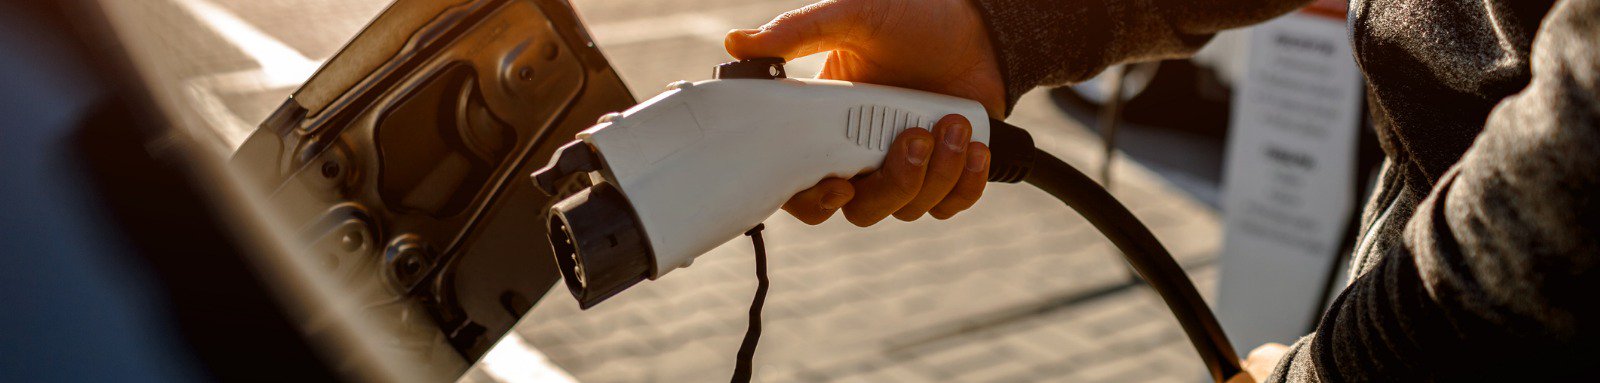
747,350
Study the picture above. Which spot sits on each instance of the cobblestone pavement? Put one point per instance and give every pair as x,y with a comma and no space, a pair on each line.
1018,289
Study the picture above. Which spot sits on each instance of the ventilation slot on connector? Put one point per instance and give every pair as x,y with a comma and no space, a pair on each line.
875,127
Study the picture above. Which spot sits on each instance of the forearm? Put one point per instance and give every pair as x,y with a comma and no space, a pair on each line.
1496,275
1039,42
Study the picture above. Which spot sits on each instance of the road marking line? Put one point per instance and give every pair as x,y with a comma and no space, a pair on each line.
514,360
279,66
280,63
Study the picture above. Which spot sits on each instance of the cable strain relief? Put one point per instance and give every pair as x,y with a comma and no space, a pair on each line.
1011,152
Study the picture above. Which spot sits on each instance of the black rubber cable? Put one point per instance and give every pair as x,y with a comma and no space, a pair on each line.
742,369
1016,159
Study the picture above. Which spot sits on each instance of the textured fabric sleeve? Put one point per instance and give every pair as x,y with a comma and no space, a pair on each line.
1043,42
1501,265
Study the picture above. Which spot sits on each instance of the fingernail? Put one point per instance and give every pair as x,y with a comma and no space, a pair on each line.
918,152
748,32
956,138
977,161
833,200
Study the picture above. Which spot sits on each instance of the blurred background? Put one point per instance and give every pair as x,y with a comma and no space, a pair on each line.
902,302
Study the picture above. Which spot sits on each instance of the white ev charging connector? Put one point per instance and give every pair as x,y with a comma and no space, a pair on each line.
703,162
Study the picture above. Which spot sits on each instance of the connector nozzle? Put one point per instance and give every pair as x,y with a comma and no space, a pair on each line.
599,244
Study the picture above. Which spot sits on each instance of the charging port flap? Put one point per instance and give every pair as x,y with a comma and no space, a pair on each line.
415,139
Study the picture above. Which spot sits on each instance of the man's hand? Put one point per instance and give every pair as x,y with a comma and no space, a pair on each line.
932,45
938,46
1260,363
939,173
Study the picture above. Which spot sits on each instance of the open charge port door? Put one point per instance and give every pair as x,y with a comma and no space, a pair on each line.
403,161
439,142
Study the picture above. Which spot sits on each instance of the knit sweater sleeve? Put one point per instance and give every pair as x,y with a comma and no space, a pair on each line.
1048,42
1497,277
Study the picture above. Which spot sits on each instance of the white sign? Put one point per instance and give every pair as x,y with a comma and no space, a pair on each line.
1288,177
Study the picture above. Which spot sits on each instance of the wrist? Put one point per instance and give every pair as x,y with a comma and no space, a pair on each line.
1036,41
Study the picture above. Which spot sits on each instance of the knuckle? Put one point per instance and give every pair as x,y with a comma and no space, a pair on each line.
947,211
865,215
860,221
960,199
803,217
904,185
926,200
956,201
904,193
940,184
970,187
946,170
893,186
837,185
908,216
793,208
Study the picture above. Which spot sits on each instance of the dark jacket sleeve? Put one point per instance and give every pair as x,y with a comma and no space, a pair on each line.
1499,277
1047,42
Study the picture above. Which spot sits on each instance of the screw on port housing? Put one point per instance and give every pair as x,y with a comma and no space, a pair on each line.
408,260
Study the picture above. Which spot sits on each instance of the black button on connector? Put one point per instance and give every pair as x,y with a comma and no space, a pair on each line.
766,68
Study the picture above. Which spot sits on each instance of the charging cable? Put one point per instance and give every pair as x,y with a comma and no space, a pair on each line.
742,369
1017,160
1138,245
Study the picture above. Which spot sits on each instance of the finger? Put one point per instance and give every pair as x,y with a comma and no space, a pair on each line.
944,169
818,27
882,192
816,204
1264,359
974,177
1241,377
833,69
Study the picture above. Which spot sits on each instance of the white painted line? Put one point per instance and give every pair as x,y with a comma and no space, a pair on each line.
229,127
279,66
514,360
280,63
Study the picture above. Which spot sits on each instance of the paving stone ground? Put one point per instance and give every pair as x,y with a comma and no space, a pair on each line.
1018,289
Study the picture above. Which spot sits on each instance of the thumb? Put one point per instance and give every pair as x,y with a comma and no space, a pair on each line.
822,26
1264,359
